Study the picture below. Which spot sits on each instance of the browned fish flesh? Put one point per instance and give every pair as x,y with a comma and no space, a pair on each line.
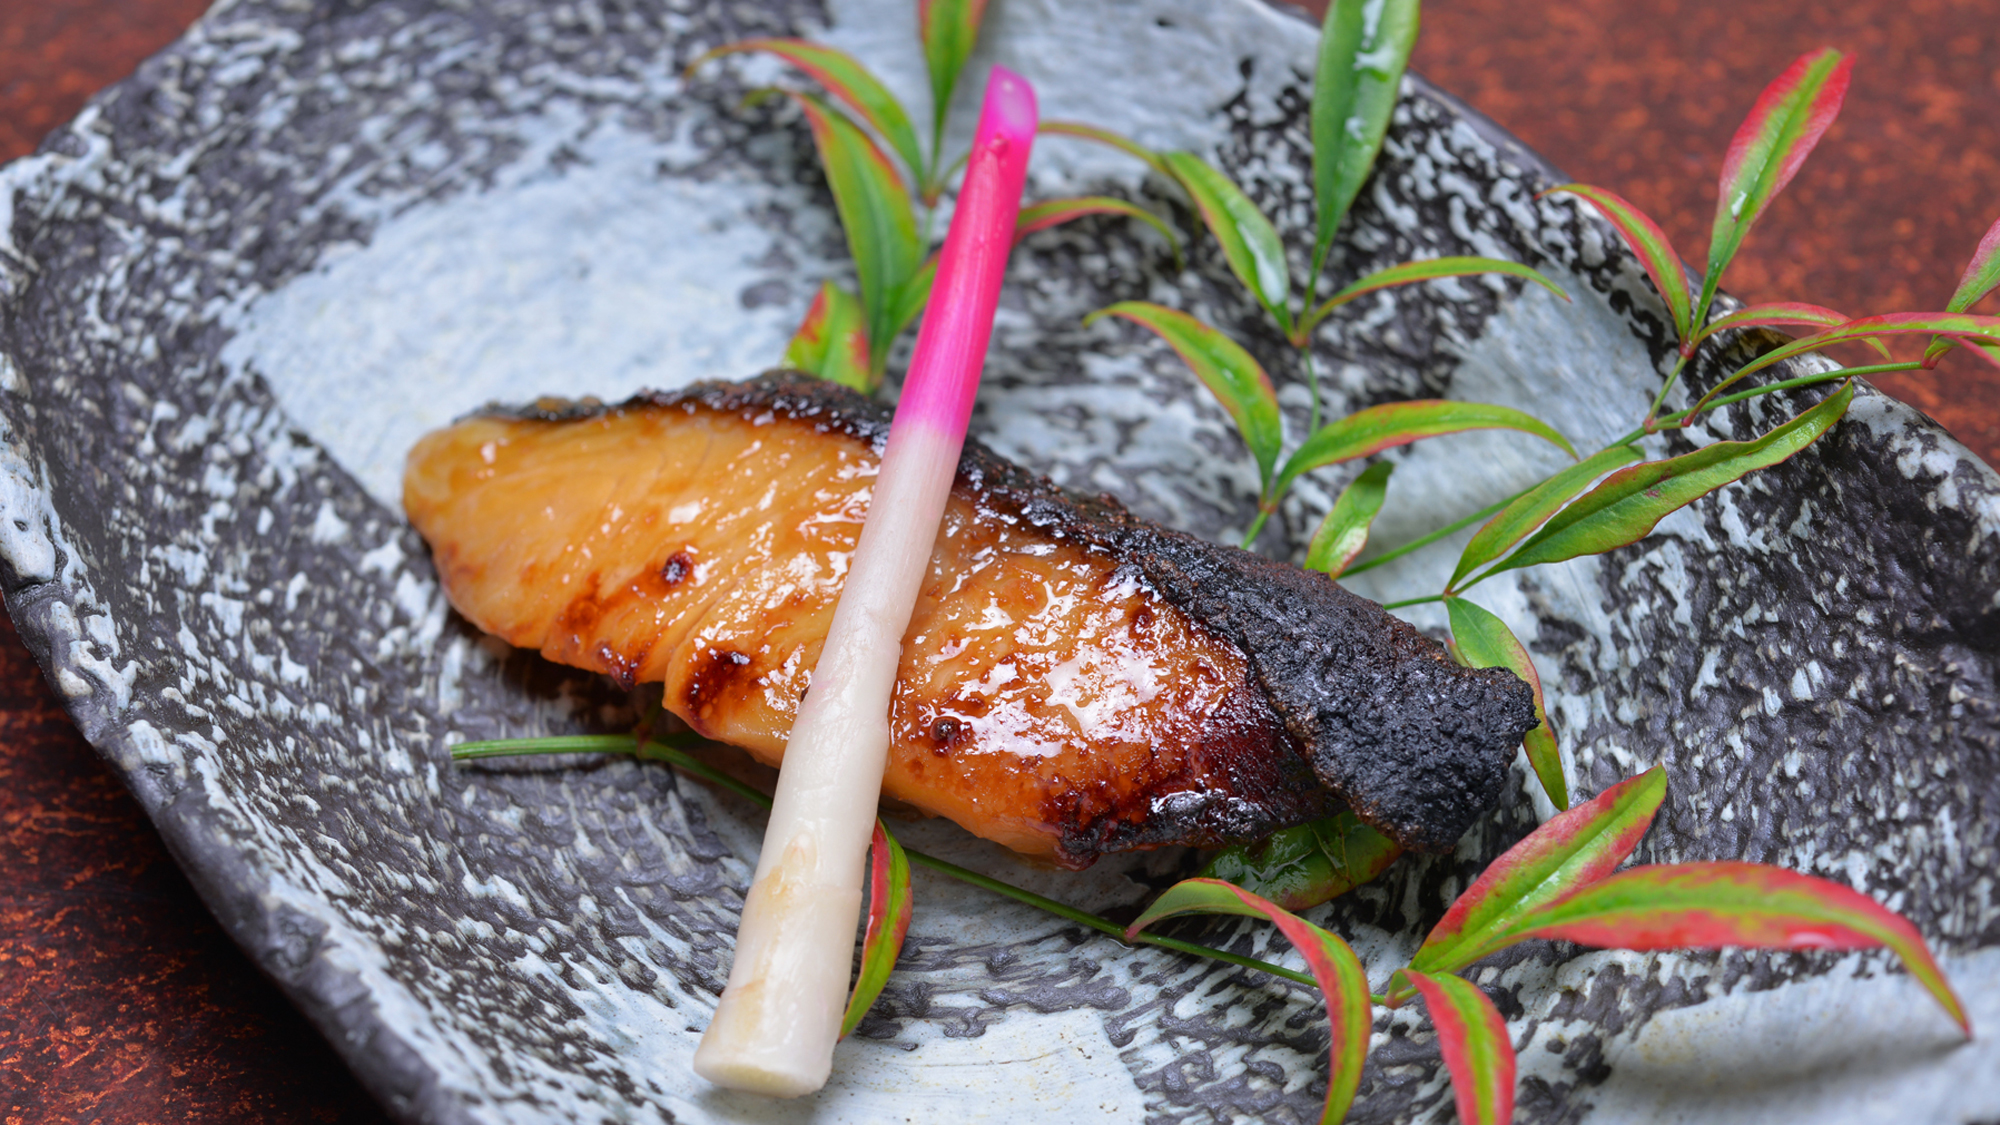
1074,681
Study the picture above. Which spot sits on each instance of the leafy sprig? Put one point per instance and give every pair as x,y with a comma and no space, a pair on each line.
1562,881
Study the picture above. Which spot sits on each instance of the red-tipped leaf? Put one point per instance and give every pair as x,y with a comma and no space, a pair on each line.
1787,313
1052,212
1483,641
1106,137
1790,117
1534,508
1961,326
1344,531
1478,1052
1981,276
1249,242
1625,508
1341,980
1392,424
889,903
832,341
1237,380
1430,269
1573,850
1649,244
843,76
1299,868
875,213
1707,905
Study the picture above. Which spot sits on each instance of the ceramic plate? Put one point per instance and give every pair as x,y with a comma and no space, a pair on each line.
240,284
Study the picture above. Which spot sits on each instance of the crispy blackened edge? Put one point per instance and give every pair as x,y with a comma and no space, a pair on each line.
1417,745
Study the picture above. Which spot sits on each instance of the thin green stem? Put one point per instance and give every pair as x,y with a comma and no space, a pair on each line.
1426,600
1672,376
1312,383
1257,525
669,749
1432,537
1786,385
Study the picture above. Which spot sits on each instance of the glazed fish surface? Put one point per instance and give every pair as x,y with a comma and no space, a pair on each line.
1074,681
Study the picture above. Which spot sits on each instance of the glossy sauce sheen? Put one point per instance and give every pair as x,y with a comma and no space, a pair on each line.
1047,698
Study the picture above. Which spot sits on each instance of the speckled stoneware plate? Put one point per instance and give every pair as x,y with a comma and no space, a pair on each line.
239,286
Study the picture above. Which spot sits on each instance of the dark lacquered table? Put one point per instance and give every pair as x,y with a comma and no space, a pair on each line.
122,1002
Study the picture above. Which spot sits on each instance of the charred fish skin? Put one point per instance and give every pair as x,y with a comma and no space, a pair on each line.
1324,698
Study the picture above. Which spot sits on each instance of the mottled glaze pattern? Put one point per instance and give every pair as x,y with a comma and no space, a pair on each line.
233,292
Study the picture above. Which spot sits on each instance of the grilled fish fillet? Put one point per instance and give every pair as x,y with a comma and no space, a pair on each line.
1075,681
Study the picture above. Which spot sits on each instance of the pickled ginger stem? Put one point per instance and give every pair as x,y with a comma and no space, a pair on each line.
775,1028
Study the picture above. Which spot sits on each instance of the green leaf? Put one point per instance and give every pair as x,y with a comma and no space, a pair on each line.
1344,531
1363,47
949,29
832,341
1574,849
1484,641
875,212
1706,905
1249,242
1981,276
845,78
1106,137
1649,244
889,903
1298,868
1236,380
1533,508
915,295
1041,216
1963,326
1631,501
1478,1052
1788,119
1400,423
1408,273
1333,965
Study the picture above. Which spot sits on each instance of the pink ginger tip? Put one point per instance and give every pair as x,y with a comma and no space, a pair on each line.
958,321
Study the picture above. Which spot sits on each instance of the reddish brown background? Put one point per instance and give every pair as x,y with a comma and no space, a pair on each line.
121,1002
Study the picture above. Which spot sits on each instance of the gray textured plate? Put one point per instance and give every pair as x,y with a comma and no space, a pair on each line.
234,290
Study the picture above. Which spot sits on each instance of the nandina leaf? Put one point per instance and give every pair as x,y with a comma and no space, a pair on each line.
1649,244
1574,849
845,78
889,904
1364,45
1625,507
1229,372
1301,867
1344,531
949,29
1048,213
1484,641
1336,968
1964,326
1478,1052
1400,423
1533,508
1249,242
1409,273
915,295
1782,312
1118,141
832,341
1981,276
1788,119
1705,905
875,212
